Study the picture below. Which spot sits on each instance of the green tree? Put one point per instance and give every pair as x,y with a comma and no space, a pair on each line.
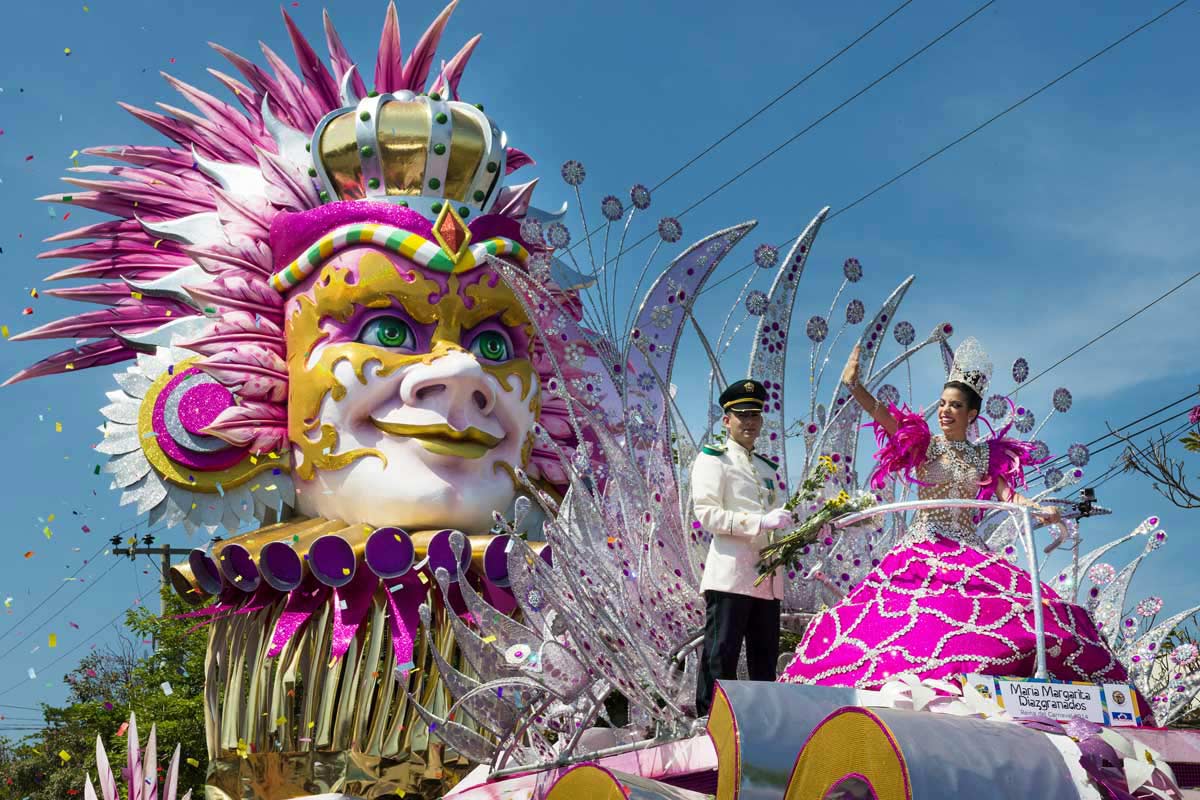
162,685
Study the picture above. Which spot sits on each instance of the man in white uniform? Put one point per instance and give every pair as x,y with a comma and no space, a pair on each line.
737,498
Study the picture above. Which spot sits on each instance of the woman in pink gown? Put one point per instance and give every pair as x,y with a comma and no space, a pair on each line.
939,603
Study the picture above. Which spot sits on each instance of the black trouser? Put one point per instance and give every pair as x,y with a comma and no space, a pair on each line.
728,619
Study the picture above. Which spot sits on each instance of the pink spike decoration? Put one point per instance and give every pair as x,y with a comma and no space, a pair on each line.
140,773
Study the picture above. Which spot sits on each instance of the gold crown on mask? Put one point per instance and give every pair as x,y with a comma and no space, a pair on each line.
419,151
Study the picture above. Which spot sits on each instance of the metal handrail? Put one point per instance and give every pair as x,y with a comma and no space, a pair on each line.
1021,512
1025,516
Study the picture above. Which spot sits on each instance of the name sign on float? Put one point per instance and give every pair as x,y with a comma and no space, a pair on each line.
1113,704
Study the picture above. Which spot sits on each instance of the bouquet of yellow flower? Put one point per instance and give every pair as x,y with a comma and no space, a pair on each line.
785,550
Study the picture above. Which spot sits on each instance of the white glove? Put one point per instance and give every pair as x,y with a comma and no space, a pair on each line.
776,519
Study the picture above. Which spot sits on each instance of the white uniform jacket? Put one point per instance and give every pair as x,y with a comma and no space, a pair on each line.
731,489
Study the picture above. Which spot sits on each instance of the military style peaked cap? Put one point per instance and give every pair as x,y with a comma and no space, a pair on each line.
744,395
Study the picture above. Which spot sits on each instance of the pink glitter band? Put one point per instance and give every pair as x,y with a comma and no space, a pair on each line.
357,598
300,605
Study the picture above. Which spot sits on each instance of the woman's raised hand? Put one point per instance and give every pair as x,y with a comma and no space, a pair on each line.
1049,515
850,371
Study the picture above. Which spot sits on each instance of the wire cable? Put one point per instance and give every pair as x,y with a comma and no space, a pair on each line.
1013,107
812,125
16,625
69,603
81,643
87,562
1118,468
1136,433
780,96
1143,430
1137,313
721,139
974,131
38,628
1057,460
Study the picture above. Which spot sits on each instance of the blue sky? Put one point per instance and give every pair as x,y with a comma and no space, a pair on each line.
1032,236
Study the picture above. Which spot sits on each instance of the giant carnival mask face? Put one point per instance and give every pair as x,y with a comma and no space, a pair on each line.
321,306
412,395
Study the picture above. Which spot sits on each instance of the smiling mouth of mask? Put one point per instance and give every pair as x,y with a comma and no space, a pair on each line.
442,439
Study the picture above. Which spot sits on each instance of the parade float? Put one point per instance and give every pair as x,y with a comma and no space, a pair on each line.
446,471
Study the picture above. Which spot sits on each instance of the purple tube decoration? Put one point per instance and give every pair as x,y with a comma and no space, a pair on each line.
441,555
238,567
331,559
281,568
390,552
204,570
547,555
495,560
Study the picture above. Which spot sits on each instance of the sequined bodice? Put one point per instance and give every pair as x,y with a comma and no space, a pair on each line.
952,470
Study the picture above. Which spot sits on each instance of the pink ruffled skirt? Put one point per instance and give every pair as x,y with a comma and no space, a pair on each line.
940,607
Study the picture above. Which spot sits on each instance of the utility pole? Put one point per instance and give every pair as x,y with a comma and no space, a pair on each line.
163,551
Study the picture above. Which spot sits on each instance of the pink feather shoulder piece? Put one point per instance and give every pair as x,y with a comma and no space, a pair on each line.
902,452
1007,459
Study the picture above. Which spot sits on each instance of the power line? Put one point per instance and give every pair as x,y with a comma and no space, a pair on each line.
50,596
1118,467
1140,311
16,625
1013,107
971,133
721,139
1144,430
780,96
70,602
1095,483
1136,433
836,109
1057,459
813,124
81,643
1108,475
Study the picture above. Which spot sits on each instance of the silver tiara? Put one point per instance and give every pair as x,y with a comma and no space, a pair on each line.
971,366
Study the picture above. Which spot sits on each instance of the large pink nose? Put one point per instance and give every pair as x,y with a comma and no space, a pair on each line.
451,382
